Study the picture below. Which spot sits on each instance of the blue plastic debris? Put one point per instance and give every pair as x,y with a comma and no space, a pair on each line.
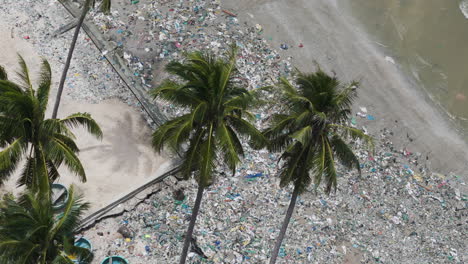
256,175
323,202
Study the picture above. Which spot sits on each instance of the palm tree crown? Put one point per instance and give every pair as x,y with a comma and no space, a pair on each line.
311,130
217,106
31,233
26,134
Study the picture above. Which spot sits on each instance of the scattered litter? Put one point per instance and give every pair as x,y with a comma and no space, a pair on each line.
387,215
229,13
390,59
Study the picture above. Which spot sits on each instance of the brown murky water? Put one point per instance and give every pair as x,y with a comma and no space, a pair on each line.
429,39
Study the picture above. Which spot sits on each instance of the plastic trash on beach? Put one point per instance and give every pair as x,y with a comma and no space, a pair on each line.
388,215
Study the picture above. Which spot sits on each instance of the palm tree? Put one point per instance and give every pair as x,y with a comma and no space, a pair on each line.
26,134
105,7
30,233
217,103
3,74
310,133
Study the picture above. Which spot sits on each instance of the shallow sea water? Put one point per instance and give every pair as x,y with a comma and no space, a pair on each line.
429,40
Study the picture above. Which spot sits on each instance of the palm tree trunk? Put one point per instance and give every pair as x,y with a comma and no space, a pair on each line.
70,55
193,219
287,218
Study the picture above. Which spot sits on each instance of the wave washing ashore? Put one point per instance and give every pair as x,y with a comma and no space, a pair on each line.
428,40
398,212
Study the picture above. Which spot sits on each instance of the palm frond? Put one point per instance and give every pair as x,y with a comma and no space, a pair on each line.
303,135
10,157
162,135
181,133
58,150
175,93
226,73
344,153
18,104
192,157
106,6
287,86
12,251
345,98
8,86
319,161
27,175
355,133
247,99
44,85
291,169
10,129
50,127
228,146
83,119
3,74
69,142
71,215
23,74
52,169
244,128
281,124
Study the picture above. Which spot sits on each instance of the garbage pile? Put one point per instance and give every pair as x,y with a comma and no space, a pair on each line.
150,34
397,212
90,79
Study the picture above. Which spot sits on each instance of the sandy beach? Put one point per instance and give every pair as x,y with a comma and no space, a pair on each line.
333,39
407,210
115,166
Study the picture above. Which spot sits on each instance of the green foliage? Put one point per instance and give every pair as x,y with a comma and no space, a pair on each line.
310,128
26,134
105,5
209,87
3,74
30,232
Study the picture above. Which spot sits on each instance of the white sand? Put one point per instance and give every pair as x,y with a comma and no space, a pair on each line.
115,166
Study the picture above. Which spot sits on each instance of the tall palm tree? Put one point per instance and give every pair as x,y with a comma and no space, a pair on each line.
30,233
209,88
26,134
105,7
310,133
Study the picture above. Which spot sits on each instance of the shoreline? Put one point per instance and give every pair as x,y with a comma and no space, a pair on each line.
343,47
457,123
391,214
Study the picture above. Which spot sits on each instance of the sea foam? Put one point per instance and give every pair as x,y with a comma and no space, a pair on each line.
464,7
